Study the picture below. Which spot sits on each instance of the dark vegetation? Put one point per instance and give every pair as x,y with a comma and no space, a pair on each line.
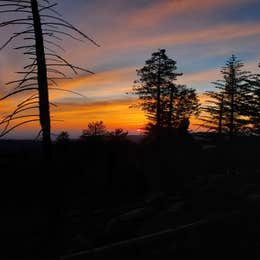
179,194
112,189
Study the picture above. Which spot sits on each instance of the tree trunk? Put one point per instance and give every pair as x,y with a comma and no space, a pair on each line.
170,108
42,83
232,108
51,245
158,105
221,115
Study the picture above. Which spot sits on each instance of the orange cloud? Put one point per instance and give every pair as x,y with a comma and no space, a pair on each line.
113,82
74,117
114,114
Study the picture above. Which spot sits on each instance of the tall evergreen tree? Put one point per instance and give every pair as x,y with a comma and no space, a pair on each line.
254,105
152,87
227,110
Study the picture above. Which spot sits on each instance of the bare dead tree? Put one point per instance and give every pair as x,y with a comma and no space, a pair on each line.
41,30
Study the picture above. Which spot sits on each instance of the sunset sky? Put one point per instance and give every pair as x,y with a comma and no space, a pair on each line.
199,34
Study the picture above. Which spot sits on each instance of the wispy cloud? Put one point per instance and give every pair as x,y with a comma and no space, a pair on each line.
208,35
104,84
162,10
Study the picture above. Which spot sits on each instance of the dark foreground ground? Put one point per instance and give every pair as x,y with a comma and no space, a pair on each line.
179,198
